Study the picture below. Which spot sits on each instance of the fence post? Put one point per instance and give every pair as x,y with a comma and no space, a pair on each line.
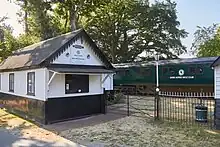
157,99
217,114
128,111
105,100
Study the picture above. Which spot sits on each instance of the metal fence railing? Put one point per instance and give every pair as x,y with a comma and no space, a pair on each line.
121,101
187,107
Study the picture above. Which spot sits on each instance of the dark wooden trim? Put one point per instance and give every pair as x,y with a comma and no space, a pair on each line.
75,66
216,62
22,68
31,94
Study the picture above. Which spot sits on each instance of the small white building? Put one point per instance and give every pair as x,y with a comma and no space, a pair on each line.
216,66
57,79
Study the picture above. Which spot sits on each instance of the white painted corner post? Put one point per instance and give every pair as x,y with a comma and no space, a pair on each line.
157,90
217,96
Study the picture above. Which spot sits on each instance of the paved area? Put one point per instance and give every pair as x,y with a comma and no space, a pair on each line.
84,122
9,140
17,132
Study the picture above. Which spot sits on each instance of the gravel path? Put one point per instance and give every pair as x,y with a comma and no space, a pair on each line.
135,132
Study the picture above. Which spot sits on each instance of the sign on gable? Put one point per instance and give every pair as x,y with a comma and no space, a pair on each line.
78,54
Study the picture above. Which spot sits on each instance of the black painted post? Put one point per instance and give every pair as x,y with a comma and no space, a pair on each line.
128,111
217,114
157,104
105,100
46,121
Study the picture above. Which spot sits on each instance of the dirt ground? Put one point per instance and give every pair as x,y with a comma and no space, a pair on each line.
136,132
139,131
27,130
117,130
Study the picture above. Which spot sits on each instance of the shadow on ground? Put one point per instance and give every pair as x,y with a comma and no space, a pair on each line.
85,122
9,140
12,134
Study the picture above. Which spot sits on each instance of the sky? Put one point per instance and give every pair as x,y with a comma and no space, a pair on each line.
191,13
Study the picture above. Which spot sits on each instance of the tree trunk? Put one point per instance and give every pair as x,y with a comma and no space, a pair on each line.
125,45
113,56
113,48
1,35
73,20
66,21
26,17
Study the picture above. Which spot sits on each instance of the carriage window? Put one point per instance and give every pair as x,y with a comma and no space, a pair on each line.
199,70
171,71
76,83
165,70
192,70
145,72
119,73
122,72
137,69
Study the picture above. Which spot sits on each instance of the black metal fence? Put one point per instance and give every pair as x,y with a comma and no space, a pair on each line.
195,108
123,101
188,108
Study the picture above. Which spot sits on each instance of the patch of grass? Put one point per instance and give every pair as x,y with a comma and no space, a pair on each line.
189,135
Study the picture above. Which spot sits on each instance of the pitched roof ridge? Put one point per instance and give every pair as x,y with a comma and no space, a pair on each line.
43,41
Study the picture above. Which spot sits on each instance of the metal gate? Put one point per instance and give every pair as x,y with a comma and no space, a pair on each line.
125,101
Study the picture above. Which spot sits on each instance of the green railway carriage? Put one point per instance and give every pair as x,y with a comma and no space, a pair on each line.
187,75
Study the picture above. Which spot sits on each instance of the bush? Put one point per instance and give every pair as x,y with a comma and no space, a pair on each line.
116,98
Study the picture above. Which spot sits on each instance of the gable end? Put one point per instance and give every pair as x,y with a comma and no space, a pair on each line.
53,56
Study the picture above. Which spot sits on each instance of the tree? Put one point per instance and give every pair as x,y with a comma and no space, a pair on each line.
206,41
123,29
24,9
38,18
160,26
71,12
8,43
49,18
25,40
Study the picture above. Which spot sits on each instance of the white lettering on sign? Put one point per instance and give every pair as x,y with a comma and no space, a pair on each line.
182,77
78,55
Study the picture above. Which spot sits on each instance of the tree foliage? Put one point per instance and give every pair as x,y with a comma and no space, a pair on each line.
207,41
123,29
71,12
8,42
